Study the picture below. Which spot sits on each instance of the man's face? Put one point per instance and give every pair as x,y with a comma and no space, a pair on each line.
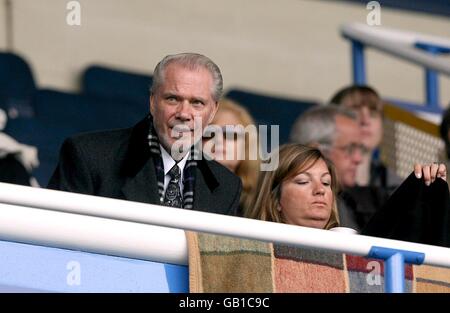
184,96
347,150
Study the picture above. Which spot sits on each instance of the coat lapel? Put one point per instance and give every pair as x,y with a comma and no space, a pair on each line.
143,187
141,183
205,185
138,168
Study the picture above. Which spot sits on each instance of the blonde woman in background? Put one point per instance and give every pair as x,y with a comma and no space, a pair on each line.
232,114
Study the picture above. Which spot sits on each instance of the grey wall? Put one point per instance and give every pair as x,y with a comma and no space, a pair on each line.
288,47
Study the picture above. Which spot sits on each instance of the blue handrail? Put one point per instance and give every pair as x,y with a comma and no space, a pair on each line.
394,270
422,52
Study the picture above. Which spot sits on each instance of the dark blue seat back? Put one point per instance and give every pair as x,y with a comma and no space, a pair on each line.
17,85
270,110
47,138
110,83
86,113
60,115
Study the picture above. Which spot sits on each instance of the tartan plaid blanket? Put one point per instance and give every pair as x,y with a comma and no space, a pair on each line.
228,264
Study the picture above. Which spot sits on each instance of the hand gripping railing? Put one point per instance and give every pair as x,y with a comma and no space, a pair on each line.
55,218
417,48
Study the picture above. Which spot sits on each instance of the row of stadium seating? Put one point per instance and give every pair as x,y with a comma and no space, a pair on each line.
110,98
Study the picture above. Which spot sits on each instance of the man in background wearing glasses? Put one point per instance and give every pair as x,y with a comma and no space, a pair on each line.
336,131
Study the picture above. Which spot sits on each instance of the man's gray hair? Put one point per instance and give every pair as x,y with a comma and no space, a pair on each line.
318,125
191,61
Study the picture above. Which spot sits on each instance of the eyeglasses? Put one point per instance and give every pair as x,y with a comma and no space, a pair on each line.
349,149
352,148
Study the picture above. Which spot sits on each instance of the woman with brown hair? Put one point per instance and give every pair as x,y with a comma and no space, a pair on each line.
300,191
239,139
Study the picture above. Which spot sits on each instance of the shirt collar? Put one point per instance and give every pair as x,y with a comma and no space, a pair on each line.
168,162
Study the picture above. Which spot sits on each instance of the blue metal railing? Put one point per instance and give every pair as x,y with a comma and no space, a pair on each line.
48,213
418,50
394,267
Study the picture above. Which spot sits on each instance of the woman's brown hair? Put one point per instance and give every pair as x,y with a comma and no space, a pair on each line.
293,158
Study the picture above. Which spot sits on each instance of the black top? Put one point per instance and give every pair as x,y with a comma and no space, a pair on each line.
13,172
414,212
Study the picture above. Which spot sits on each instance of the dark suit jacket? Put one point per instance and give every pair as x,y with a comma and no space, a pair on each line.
118,164
358,204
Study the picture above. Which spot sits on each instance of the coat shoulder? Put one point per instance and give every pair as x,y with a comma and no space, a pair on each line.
224,175
101,140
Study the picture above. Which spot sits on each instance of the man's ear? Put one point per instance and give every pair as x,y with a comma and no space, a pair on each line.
151,104
214,111
323,148
315,145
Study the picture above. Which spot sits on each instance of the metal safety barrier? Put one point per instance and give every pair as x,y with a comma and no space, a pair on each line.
55,218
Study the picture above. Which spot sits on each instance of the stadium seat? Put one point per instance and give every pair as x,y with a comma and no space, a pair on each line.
17,85
60,115
116,84
270,110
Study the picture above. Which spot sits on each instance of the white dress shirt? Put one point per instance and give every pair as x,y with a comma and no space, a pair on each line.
168,163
